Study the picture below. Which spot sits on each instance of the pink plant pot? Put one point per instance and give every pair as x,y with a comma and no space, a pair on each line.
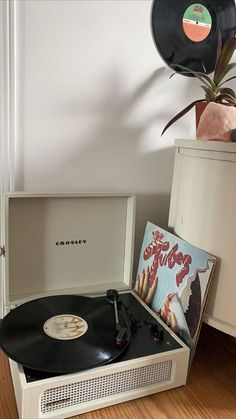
216,122
199,109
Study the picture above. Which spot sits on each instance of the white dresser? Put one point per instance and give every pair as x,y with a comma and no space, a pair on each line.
203,212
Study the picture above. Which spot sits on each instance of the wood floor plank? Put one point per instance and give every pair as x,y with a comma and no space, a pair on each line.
175,404
126,410
149,409
8,408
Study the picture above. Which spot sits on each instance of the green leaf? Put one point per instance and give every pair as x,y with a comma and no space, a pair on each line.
200,76
209,93
224,59
182,113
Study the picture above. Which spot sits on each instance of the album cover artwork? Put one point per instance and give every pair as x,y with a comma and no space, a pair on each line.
173,278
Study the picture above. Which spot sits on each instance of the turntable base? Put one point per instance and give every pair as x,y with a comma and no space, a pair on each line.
146,367
213,347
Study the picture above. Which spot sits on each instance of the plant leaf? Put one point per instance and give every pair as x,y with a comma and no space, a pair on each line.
224,96
224,59
227,70
182,113
228,91
209,93
204,78
226,81
219,46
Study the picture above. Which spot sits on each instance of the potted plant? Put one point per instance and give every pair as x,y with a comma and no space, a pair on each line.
213,87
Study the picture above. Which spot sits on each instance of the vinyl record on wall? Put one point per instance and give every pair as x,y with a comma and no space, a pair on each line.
186,32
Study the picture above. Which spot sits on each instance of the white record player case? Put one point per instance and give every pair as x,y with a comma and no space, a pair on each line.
78,244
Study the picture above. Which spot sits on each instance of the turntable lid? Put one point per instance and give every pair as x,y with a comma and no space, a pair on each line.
67,243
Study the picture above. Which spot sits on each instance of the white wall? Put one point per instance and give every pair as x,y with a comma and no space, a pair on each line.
92,97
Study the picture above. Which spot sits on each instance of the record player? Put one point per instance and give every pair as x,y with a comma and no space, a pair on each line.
62,249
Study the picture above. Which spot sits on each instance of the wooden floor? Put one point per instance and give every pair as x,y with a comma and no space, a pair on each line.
210,392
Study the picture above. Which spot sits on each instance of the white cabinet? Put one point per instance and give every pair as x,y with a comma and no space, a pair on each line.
203,212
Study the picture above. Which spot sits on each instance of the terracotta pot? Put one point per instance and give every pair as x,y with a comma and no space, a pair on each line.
199,108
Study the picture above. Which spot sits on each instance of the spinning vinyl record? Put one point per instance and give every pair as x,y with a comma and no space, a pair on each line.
186,32
61,334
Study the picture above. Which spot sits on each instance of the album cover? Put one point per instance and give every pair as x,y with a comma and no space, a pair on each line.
173,278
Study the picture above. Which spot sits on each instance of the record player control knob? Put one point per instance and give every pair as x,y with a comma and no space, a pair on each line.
156,333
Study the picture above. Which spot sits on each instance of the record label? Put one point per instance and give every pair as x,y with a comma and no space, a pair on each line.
65,327
197,22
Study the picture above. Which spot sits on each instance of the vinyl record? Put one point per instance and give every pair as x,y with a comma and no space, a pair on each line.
186,32
61,334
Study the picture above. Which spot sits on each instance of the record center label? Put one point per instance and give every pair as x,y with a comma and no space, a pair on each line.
65,327
197,22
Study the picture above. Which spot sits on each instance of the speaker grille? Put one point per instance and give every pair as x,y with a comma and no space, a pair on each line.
108,385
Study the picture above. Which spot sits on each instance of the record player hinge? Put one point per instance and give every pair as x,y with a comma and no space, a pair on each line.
2,251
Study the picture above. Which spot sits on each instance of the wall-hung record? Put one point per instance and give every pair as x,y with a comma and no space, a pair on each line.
186,32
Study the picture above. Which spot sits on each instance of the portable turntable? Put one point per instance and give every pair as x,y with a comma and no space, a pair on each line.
65,255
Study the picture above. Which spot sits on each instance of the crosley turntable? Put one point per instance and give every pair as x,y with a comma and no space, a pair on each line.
71,349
